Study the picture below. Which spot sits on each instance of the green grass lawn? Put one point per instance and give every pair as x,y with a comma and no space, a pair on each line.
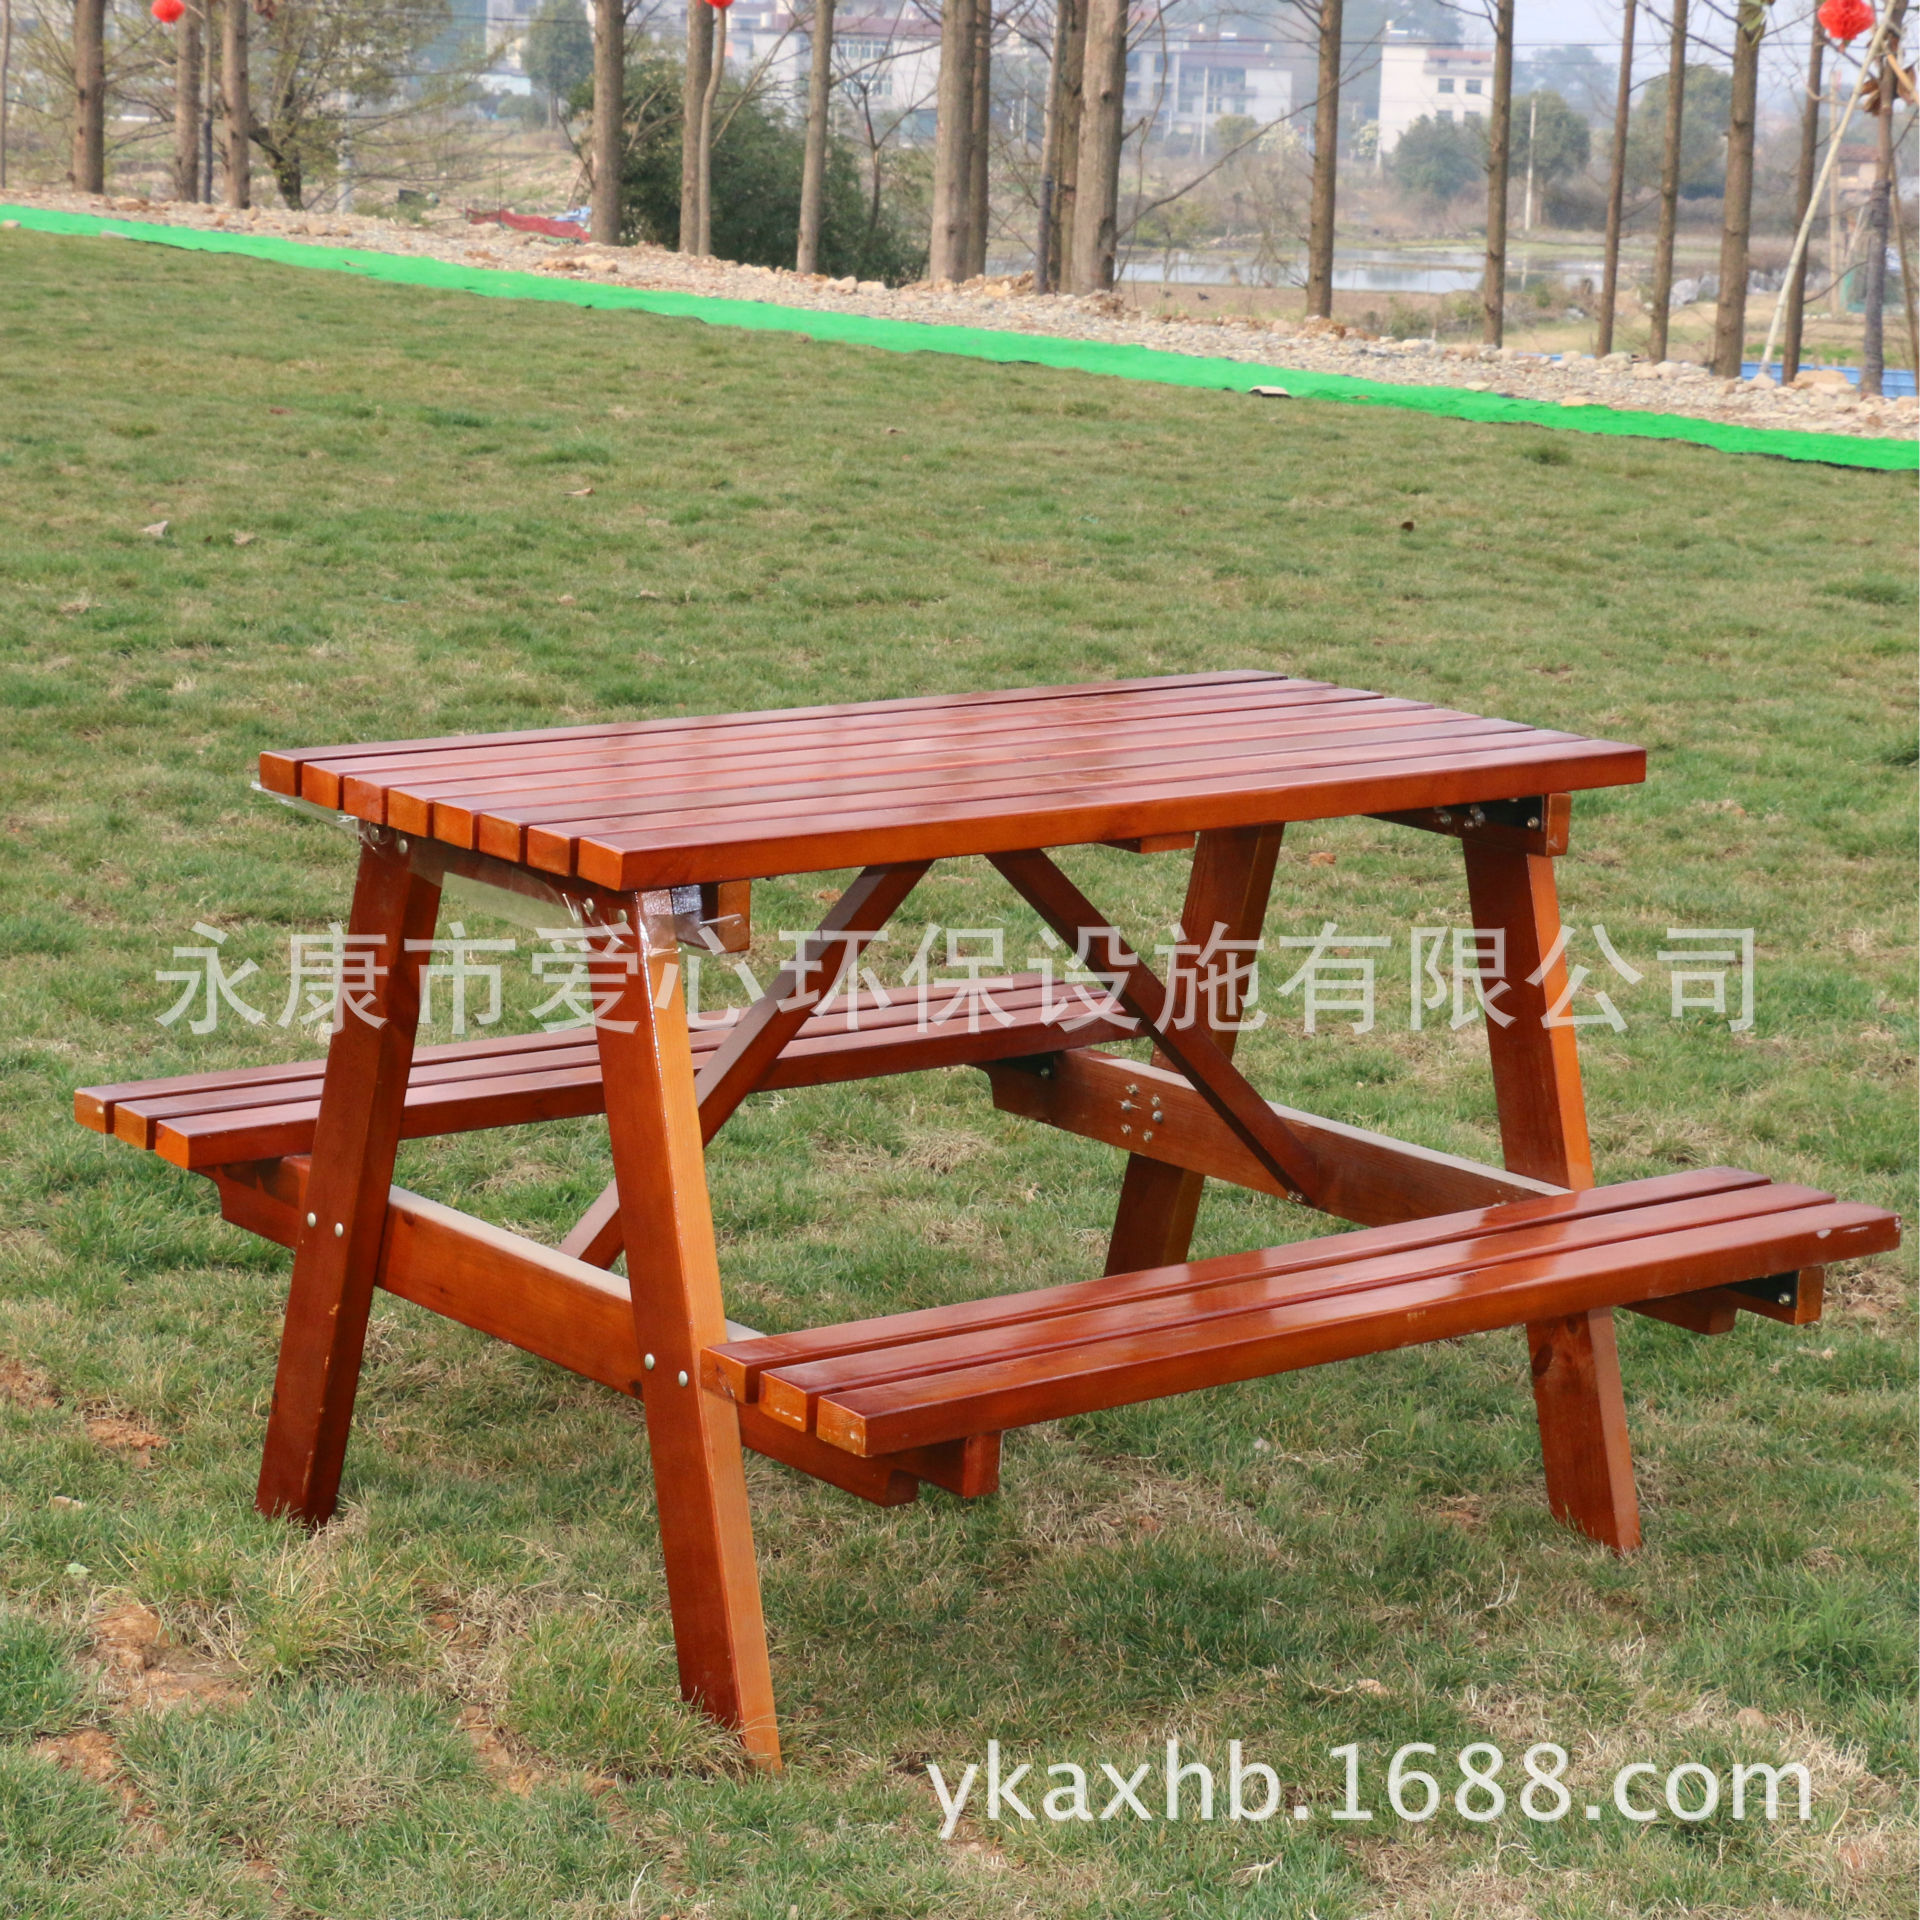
458,1701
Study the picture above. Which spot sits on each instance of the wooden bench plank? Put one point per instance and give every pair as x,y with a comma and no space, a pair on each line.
792,1394
1020,1389
198,1121
738,1367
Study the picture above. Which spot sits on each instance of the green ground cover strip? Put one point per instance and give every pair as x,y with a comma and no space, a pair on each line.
984,343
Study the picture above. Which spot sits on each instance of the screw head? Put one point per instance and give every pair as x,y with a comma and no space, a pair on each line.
401,844
339,1229
1148,1134
648,1363
313,1219
683,1376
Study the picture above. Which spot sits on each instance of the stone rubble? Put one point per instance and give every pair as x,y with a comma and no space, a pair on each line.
1821,399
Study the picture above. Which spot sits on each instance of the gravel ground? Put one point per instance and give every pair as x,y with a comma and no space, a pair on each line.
1820,401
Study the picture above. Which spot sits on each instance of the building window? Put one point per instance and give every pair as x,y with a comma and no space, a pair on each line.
1474,86
1444,86
1446,114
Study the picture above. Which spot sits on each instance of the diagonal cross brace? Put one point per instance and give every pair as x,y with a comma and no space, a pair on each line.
1225,1089
755,1040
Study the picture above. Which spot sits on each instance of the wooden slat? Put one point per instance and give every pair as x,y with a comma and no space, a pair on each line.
1022,1389
315,772
200,1121
409,790
790,1393
738,1366
689,853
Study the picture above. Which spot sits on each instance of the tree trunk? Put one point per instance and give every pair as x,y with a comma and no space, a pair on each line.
1802,199
1669,184
609,117
239,103
979,132
1326,163
1493,283
6,67
1730,315
1873,318
813,171
1096,211
1616,188
716,72
186,105
90,96
953,142
692,95
1061,148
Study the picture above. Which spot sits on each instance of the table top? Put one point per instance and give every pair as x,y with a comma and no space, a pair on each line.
667,802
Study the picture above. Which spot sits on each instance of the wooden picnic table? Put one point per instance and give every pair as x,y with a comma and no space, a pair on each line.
651,832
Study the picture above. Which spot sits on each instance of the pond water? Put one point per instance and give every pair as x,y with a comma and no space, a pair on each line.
1360,270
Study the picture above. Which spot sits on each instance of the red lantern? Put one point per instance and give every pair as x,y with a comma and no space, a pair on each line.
168,11
1845,20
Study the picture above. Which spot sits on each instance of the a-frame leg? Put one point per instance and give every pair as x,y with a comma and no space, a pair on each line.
362,1099
1228,887
673,1276
1543,1132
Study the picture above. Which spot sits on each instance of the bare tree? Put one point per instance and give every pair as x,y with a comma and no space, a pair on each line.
1802,199
186,103
6,70
979,138
1730,313
1096,208
89,172
1060,146
1493,285
1669,184
813,172
1880,92
1616,186
953,141
609,117
1326,163
692,98
238,100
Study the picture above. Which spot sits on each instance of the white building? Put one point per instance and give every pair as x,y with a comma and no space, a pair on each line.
1188,81
885,64
1422,79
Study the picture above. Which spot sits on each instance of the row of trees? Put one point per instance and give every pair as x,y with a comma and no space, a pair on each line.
294,82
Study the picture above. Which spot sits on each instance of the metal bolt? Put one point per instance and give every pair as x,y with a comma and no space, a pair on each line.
1444,817
339,1230
1131,1088
313,1219
683,1376
1148,1134
1124,1128
648,1363
401,844
1785,1299
1533,819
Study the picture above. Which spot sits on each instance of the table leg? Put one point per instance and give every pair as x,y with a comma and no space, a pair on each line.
673,1275
362,1099
1231,879
1543,1132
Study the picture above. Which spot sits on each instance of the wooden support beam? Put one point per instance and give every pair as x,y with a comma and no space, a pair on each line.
362,1103
1186,1043
1368,1178
1539,824
1227,887
754,1041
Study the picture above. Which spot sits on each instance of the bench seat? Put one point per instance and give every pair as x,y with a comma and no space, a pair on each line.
1690,1247
206,1120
